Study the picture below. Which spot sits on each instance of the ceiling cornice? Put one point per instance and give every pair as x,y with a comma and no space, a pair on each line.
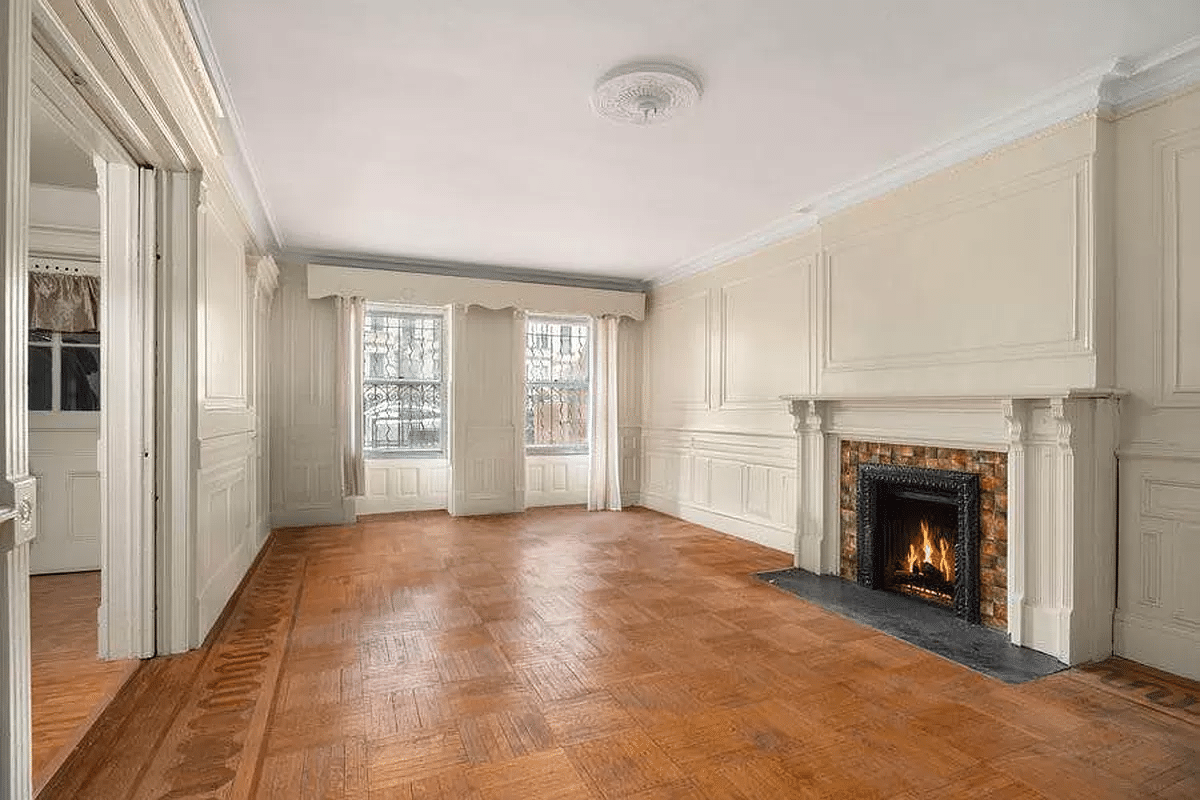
462,269
1111,90
244,177
1137,83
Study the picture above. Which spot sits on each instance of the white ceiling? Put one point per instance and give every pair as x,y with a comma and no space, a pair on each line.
54,159
461,130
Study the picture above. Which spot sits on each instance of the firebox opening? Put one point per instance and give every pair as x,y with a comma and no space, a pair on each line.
920,536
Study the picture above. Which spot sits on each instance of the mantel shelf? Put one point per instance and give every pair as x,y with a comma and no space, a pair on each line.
1065,394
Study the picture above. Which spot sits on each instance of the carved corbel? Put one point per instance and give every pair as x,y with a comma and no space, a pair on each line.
1060,413
1014,421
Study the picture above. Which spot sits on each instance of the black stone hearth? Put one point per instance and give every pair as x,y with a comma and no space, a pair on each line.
918,535
916,622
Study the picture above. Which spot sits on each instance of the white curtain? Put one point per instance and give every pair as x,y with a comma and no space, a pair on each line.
604,490
348,395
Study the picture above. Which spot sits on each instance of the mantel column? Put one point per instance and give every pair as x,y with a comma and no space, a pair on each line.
1062,510
810,482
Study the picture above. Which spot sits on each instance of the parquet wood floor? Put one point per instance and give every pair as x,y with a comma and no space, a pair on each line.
572,656
71,685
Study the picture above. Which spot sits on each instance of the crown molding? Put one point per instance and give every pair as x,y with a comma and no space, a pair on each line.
244,177
463,269
779,230
1137,83
63,241
1113,89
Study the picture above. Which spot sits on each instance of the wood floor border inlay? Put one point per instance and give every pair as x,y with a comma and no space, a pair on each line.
213,747
1177,696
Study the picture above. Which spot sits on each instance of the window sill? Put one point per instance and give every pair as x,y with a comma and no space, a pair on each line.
425,458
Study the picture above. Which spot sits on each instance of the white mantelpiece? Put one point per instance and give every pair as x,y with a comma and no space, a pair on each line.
1061,497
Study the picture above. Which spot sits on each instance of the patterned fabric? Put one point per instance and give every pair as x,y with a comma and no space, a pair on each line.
64,303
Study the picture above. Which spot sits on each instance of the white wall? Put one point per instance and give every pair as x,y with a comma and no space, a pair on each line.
306,483
982,279
65,231
1158,361
486,419
404,484
721,347
230,323
556,480
1069,260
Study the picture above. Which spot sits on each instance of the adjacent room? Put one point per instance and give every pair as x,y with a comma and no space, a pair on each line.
600,401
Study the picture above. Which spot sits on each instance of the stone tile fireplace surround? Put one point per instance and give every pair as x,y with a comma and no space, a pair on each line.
992,469
1047,474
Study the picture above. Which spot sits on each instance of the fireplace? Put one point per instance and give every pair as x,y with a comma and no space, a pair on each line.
918,534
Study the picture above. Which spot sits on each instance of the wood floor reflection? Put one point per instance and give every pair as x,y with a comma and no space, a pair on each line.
562,654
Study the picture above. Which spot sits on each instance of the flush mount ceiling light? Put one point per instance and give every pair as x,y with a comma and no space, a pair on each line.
643,94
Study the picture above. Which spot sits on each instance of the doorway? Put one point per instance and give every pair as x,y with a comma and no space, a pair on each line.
76,669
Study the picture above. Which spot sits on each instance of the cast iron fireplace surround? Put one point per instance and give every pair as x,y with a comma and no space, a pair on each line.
876,482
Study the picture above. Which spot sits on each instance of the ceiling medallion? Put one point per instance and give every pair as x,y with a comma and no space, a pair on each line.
645,94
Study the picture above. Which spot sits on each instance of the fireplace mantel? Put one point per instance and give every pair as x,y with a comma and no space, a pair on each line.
1061,505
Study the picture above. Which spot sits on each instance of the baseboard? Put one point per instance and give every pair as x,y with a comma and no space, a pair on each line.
547,499
304,518
366,506
766,535
1172,648
223,584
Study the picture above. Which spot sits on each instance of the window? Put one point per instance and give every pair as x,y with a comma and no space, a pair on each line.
556,385
403,390
64,371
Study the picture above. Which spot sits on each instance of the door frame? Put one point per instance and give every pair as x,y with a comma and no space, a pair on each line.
126,450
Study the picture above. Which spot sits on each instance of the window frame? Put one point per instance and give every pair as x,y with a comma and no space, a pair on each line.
585,447
400,312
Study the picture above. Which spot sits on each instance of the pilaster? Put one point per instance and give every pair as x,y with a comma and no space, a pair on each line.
1016,418
18,496
810,482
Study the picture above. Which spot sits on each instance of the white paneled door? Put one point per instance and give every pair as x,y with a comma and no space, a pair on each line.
62,456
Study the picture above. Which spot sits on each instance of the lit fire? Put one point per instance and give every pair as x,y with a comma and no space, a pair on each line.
938,556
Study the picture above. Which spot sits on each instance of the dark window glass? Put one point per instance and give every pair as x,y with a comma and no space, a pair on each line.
80,375
41,378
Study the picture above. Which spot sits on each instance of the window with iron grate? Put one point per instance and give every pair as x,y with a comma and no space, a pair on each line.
404,394
557,385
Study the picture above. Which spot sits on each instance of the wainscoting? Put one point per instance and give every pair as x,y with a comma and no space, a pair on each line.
1159,615
404,484
556,480
739,484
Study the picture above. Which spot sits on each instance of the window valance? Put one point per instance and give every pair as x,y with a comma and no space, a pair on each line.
64,303
422,289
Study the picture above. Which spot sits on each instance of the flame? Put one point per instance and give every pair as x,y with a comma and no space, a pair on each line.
926,554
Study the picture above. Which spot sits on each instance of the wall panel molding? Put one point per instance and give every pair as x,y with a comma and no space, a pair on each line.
1177,206
404,484
1026,245
741,485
